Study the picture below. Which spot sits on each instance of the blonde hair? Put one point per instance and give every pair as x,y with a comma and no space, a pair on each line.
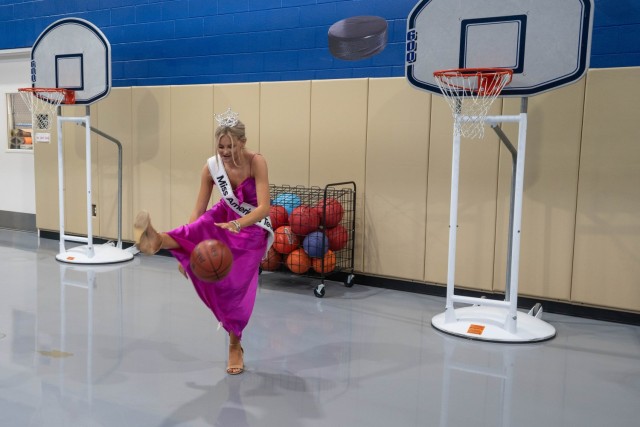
235,133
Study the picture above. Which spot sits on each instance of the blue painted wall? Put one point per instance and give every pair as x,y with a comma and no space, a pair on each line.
160,42
616,34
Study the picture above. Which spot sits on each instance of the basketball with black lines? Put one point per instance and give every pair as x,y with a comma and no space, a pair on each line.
211,260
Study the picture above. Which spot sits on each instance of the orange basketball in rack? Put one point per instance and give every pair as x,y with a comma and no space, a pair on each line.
325,264
338,237
304,220
278,216
298,261
272,261
211,260
285,240
332,210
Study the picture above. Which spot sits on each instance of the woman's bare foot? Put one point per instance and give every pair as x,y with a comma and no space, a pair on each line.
181,270
148,240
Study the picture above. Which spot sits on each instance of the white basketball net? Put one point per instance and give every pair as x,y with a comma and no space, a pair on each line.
43,105
470,93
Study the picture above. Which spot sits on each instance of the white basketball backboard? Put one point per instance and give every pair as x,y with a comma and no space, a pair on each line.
73,54
546,43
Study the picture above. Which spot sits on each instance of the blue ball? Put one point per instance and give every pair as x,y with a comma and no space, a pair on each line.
313,244
289,201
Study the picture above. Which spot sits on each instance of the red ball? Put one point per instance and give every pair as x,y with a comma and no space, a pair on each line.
338,237
278,216
325,264
298,261
285,240
272,261
332,211
304,220
211,260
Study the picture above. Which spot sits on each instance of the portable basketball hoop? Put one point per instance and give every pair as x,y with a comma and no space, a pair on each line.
498,50
470,92
74,53
43,103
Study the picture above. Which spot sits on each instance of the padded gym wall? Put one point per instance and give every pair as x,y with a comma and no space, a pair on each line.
397,157
550,187
606,263
580,207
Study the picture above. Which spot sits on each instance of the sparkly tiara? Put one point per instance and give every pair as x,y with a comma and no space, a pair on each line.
228,118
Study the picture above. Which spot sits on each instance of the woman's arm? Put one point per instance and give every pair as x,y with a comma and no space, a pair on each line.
204,195
261,176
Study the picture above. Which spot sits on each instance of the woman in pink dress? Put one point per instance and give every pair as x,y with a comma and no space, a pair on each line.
231,299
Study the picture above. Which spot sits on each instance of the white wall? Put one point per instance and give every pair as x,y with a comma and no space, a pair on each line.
17,185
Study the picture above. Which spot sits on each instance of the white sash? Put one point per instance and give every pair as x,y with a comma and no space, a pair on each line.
221,179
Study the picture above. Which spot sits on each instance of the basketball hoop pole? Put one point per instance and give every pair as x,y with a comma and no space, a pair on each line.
489,319
89,239
89,253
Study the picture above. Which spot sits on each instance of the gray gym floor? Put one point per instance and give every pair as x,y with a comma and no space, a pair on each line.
132,345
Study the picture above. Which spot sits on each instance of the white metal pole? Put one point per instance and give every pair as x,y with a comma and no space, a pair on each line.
453,225
511,321
60,181
90,251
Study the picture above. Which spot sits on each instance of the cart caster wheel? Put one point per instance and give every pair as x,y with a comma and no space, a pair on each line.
319,291
259,270
349,281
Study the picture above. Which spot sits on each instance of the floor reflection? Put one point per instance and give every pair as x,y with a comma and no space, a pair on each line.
132,345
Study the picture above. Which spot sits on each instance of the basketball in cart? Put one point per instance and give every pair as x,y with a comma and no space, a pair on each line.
314,231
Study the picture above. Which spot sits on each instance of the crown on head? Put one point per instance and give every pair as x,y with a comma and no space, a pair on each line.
228,118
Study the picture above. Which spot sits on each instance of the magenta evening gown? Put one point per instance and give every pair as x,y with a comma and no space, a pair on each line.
231,299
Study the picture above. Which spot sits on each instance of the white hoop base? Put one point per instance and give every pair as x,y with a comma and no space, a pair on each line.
102,254
487,324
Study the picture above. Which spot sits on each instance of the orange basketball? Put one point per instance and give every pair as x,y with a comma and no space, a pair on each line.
304,220
285,240
329,263
278,216
298,261
338,237
272,261
211,260
332,210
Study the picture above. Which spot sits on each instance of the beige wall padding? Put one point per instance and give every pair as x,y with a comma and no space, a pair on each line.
338,140
243,98
550,188
151,111
191,145
580,238
606,263
397,156
114,118
285,126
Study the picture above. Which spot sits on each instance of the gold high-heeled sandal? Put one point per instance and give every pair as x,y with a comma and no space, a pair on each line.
148,240
236,369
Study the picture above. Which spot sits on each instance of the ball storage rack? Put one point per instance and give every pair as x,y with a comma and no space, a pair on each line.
301,259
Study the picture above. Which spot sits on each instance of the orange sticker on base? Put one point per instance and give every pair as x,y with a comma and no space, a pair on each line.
70,258
475,329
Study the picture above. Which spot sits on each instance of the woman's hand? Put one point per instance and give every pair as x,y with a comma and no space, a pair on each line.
232,226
